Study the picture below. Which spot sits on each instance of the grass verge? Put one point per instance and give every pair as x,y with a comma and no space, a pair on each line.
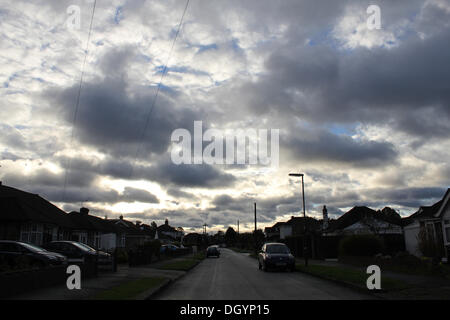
200,255
350,276
129,290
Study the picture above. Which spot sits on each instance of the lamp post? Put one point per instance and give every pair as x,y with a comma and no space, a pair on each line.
305,245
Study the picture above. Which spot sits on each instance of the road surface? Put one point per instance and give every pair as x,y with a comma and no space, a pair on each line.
235,276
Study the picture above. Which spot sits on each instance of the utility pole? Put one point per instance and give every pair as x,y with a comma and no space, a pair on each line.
254,233
305,239
238,226
255,216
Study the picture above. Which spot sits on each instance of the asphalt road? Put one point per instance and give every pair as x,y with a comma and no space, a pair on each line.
235,276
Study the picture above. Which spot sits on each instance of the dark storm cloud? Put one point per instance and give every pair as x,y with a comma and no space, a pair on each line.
162,170
114,122
178,193
47,178
408,197
138,195
81,188
242,206
112,116
405,87
324,146
201,176
93,194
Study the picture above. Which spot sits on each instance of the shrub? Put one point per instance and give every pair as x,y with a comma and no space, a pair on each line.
142,254
360,246
121,255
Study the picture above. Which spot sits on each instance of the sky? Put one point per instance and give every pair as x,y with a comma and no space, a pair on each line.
364,113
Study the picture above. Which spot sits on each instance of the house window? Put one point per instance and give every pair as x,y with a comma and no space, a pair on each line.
25,233
31,232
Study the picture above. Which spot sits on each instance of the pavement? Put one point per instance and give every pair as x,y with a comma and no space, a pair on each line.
92,286
235,276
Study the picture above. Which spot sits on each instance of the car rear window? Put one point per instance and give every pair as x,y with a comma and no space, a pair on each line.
277,249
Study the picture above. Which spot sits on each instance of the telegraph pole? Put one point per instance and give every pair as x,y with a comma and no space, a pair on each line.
305,239
255,216
254,233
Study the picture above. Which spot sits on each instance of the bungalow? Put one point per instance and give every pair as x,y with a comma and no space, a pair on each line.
273,233
296,227
166,232
28,217
363,220
131,234
434,222
193,239
93,231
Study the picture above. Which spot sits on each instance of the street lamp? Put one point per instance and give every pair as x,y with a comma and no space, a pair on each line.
305,245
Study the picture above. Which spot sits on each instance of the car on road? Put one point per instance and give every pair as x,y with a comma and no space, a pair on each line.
275,256
77,252
11,252
213,251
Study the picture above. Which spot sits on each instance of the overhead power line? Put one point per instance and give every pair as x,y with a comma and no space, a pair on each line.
77,103
155,97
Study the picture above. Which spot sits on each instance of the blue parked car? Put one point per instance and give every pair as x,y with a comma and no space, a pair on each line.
168,248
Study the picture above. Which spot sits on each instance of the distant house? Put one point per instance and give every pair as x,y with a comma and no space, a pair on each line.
166,232
296,227
193,239
131,234
273,233
434,220
363,220
93,231
30,218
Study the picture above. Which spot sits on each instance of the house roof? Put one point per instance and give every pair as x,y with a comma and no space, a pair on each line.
274,227
300,221
430,212
166,228
128,227
358,213
20,206
84,221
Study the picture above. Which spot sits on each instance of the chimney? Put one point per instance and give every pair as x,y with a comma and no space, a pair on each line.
325,217
166,222
84,211
121,217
